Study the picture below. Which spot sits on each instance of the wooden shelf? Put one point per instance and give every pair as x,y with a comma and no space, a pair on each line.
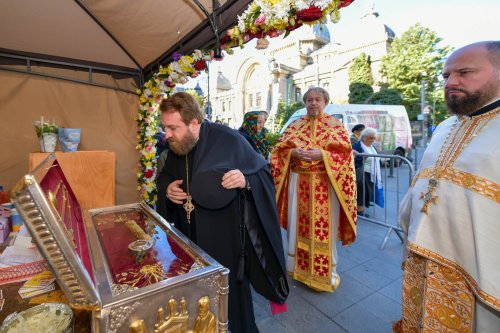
91,175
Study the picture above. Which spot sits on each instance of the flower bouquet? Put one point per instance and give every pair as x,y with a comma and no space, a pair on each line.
276,17
47,135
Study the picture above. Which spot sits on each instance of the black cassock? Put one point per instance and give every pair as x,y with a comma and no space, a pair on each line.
230,224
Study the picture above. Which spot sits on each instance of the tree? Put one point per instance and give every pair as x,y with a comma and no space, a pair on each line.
387,96
439,110
360,93
198,98
413,57
361,70
285,111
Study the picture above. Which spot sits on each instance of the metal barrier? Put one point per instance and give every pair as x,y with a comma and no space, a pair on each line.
396,173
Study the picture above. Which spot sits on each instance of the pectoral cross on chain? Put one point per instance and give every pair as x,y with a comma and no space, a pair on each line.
188,207
429,197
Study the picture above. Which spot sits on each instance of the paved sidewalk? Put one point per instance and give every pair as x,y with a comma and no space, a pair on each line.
367,300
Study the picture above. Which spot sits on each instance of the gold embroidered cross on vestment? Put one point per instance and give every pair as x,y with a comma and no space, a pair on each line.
462,132
429,196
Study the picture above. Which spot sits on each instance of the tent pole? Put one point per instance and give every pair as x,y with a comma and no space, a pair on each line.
215,28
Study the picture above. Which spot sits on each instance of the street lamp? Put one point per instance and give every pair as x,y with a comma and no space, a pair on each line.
423,114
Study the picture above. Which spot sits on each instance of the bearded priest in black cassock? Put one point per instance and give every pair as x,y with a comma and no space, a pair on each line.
219,192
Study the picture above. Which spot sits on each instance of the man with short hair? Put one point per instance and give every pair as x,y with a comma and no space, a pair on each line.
210,188
451,214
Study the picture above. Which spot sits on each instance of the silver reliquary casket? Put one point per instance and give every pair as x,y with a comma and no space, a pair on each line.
126,264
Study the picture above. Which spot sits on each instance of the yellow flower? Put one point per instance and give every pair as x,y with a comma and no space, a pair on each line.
186,67
274,2
155,91
187,58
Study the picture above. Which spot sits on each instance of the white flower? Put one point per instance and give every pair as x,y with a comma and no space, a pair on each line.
162,86
150,131
174,67
302,4
322,4
197,55
241,21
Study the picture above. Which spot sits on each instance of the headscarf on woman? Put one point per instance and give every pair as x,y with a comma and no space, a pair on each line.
257,138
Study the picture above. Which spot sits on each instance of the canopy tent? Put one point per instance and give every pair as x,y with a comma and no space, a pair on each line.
79,62
121,34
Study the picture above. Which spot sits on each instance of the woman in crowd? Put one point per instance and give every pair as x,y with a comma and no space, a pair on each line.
356,132
253,130
367,168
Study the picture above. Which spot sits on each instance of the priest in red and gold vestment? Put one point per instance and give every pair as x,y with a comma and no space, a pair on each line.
313,169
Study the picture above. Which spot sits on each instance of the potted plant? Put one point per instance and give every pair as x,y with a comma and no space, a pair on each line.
47,135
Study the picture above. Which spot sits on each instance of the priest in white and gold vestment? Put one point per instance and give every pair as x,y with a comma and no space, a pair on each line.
451,214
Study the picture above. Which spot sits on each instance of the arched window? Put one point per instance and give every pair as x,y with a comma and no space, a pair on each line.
255,88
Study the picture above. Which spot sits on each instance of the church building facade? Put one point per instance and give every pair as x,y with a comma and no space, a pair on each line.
253,79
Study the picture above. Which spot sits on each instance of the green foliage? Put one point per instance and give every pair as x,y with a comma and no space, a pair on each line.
199,99
438,106
45,128
440,113
387,96
360,93
360,70
273,138
285,111
413,57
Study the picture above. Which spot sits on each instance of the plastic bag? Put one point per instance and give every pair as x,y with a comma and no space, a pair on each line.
379,195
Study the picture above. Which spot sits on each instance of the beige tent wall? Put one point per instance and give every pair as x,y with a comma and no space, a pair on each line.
105,116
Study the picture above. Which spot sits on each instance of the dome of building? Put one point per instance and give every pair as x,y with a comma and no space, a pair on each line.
317,32
223,82
371,29
322,31
389,32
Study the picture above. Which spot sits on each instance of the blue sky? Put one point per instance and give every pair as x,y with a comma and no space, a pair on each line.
458,22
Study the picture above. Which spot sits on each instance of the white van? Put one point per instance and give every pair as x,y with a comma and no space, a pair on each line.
390,121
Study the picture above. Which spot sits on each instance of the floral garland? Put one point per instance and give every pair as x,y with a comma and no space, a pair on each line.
262,18
276,17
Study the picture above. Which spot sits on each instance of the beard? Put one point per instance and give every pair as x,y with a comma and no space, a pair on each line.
185,145
470,102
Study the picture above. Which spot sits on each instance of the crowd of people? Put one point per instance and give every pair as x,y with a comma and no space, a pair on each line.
230,193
